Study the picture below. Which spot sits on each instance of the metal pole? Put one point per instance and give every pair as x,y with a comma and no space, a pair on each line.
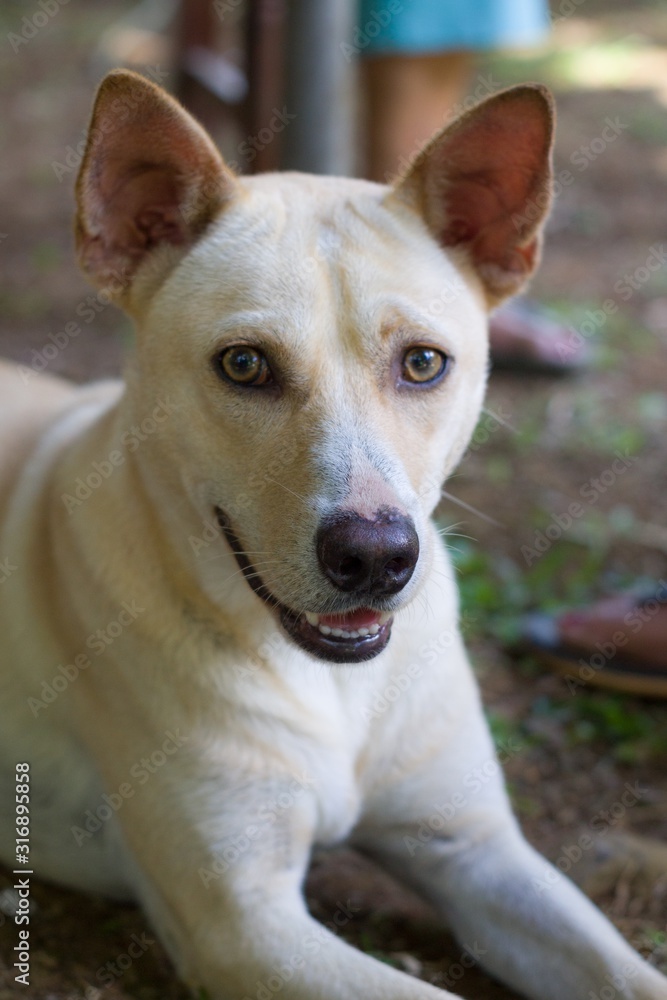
320,87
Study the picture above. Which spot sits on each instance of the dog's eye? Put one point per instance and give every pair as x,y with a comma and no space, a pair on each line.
424,364
243,365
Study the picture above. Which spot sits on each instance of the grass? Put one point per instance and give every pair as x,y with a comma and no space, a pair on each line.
497,591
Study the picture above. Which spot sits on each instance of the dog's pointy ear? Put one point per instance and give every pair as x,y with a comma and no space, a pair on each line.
483,185
150,182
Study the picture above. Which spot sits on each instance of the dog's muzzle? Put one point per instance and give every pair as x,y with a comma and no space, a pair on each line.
370,560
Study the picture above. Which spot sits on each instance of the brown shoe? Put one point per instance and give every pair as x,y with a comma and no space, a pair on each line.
619,643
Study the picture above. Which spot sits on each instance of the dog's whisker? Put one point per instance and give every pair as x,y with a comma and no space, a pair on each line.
248,575
445,576
451,530
450,527
423,600
458,534
473,510
288,490
254,565
257,552
225,555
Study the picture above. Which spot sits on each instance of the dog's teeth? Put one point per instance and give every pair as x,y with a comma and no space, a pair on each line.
343,633
384,617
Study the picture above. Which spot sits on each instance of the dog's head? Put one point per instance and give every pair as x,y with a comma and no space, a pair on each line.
322,341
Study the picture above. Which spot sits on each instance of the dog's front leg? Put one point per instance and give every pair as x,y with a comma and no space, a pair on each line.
217,851
443,824
257,940
524,921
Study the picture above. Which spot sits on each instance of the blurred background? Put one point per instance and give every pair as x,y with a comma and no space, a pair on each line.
282,85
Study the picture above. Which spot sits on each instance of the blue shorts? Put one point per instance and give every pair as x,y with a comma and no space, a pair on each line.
403,27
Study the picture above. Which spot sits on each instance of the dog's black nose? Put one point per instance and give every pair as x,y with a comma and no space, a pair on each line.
375,556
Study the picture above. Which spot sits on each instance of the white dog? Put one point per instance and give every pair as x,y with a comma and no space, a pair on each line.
221,578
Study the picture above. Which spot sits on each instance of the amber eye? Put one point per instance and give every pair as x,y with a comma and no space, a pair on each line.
424,364
244,365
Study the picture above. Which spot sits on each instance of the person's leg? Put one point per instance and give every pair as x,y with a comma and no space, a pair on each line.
408,98
416,63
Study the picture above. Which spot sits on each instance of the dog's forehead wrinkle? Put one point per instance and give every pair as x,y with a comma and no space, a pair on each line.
330,259
326,218
283,278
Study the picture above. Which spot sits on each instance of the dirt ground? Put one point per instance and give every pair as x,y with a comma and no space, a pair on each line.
541,445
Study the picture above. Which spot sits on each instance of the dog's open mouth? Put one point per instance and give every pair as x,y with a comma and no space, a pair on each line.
350,637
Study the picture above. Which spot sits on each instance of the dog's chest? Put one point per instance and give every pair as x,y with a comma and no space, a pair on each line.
328,739
339,800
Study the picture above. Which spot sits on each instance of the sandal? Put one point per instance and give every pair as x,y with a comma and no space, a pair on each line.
598,659
527,338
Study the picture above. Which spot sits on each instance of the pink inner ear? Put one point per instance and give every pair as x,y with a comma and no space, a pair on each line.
481,175
140,208
150,176
479,212
470,204
485,173
483,184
